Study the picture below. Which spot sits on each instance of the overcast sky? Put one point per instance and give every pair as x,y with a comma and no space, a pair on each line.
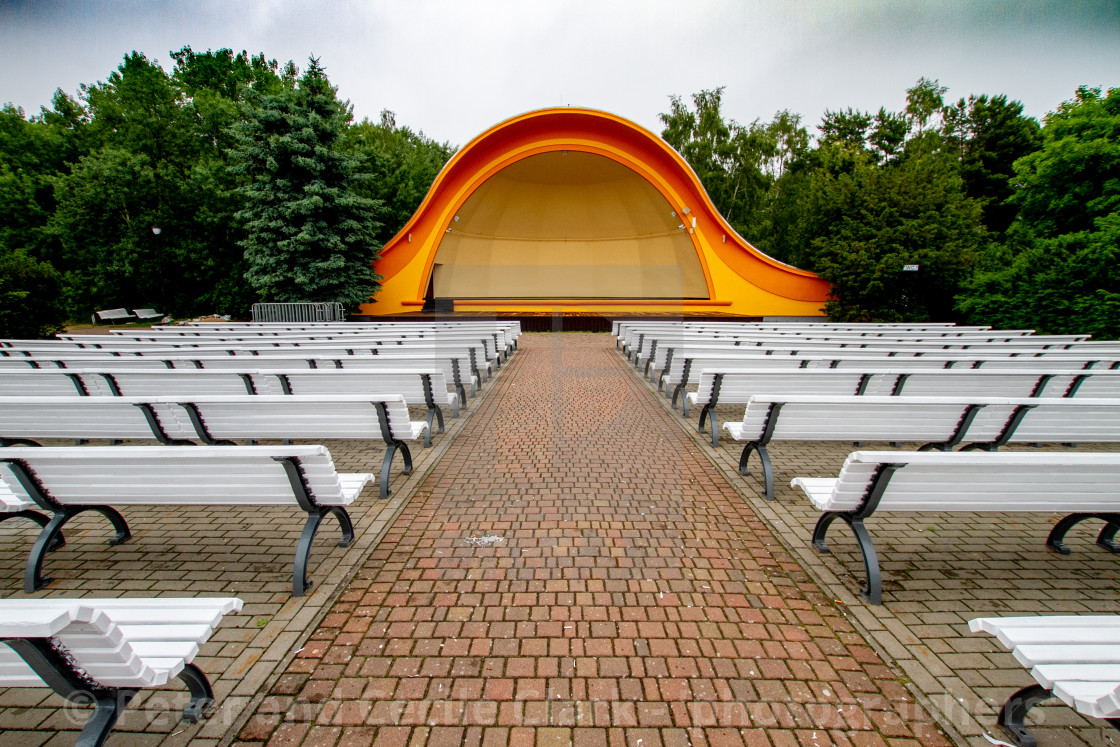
452,68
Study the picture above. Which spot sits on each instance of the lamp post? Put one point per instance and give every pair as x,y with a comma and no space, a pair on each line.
156,230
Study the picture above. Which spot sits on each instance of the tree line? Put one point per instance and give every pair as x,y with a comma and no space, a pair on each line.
227,180
1009,223
232,179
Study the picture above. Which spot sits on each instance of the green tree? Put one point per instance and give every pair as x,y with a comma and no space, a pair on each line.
727,157
924,102
990,135
309,236
30,297
156,161
33,152
400,166
880,219
1060,269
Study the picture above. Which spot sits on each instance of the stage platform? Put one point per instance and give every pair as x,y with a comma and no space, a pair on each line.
543,321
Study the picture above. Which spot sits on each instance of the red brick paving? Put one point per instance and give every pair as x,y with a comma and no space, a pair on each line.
574,571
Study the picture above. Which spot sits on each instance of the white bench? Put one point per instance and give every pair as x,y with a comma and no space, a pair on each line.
111,315
66,481
737,386
216,420
1074,658
143,314
942,422
105,650
1081,485
429,387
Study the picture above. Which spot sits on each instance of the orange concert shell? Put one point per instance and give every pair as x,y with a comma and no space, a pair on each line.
572,210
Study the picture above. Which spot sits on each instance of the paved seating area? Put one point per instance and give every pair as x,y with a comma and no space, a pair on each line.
574,564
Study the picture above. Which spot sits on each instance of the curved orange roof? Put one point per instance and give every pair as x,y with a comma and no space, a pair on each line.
599,133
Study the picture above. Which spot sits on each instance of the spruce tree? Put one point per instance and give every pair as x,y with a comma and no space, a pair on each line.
309,235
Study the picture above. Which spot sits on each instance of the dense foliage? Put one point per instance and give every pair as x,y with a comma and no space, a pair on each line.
1059,270
85,184
308,236
231,179
1009,224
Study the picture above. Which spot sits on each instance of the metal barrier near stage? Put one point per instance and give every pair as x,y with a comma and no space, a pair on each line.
298,312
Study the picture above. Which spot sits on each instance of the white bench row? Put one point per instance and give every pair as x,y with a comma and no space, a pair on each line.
939,422
496,341
737,386
646,340
217,420
620,327
1082,486
66,481
508,330
481,353
679,364
428,387
129,339
461,367
1074,658
105,650
632,334
678,367
504,335
644,345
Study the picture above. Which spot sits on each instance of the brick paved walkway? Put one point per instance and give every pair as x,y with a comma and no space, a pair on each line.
574,570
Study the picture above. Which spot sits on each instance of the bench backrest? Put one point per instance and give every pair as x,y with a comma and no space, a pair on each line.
109,314
173,381
737,386
931,419
40,418
415,387
980,481
221,417
35,382
294,416
173,475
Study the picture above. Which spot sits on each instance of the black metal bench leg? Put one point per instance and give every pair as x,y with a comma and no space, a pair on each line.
434,413
709,412
1107,537
107,708
202,695
767,468
33,579
1012,716
41,519
390,450
407,456
386,463
300,582
873,591
60,674
1104,539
